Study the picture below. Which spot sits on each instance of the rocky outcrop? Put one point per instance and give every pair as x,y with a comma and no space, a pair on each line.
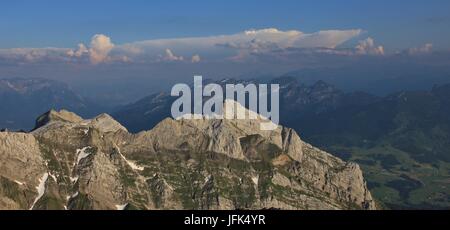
180,164
54,116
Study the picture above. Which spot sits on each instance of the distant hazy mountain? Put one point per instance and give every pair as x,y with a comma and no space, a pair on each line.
23,99
71,163
149,111
378,78
145,113
317,98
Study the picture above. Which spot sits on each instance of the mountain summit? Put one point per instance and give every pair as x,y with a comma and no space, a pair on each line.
71,163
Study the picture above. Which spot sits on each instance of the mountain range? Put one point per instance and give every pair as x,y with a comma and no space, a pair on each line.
400,140
71,163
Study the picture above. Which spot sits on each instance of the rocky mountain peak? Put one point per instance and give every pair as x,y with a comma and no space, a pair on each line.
105,123
54,116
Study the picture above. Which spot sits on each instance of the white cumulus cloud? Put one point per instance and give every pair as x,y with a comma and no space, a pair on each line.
368,46
196,58
101,45
425,49
82,50
98,52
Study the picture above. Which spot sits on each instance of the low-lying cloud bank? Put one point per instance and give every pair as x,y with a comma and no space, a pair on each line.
235,47
247,46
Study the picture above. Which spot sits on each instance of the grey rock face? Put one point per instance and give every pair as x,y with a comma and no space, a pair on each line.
180,164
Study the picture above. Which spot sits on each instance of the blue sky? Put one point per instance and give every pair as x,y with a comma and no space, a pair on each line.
396,24
136,47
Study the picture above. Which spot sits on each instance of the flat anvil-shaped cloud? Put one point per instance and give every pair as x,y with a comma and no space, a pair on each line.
248,41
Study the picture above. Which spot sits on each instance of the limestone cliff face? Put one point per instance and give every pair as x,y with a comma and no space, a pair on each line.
71,163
